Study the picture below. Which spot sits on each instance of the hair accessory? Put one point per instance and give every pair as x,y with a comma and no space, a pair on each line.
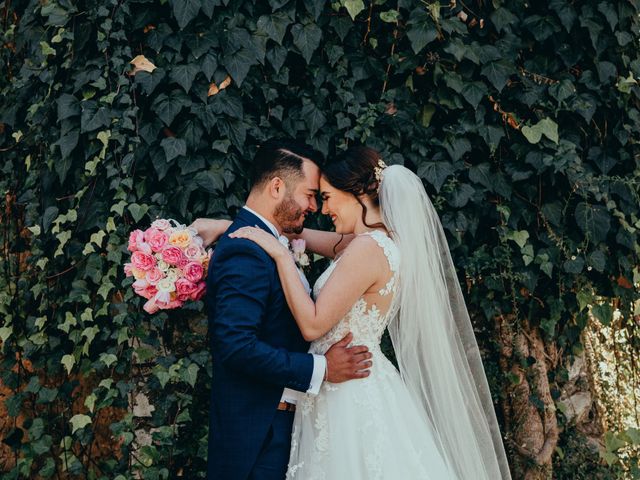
379,170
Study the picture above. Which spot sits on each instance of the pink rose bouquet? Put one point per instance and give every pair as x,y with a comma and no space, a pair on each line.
169,264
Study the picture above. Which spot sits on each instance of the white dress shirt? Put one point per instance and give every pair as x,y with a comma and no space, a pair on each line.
319,361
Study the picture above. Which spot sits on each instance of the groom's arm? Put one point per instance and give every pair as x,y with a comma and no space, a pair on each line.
241,296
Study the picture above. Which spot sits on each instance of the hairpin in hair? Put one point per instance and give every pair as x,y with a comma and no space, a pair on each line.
379,171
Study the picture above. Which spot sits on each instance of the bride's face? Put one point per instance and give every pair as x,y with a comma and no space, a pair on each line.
342,207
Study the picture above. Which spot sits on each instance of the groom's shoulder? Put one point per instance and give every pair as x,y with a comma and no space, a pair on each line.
229,248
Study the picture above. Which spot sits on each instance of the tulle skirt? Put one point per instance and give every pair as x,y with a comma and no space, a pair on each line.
365,430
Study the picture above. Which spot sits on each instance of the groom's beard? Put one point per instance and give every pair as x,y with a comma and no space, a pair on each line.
289,216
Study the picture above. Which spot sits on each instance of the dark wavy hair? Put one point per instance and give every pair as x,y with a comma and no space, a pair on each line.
353,171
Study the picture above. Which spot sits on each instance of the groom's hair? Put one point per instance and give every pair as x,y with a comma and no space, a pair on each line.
281,158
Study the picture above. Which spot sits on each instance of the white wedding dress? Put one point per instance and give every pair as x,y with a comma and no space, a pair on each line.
364,429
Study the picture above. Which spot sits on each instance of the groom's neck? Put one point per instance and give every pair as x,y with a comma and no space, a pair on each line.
262,206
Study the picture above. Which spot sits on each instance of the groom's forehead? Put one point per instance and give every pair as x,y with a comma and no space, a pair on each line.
311,174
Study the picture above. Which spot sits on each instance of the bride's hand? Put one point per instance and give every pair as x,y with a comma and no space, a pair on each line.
210,229
268,242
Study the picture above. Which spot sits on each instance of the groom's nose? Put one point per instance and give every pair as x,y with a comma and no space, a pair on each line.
313,205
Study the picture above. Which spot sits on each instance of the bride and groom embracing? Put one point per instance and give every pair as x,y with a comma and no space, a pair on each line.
337,408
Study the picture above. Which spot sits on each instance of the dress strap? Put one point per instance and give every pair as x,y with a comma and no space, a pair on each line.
391,252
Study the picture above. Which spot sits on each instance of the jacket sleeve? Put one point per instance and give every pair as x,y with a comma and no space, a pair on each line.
238,305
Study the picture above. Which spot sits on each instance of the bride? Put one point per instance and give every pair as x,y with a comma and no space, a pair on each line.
433,417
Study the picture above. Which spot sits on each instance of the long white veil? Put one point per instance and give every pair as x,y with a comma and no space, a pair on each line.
433,339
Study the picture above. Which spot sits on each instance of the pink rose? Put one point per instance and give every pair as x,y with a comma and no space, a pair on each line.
198,293
127,269
171,304
193,252
173,256
148,292
161,224
143,261
185,288
193,271
135,237
156,239
154,275
151,306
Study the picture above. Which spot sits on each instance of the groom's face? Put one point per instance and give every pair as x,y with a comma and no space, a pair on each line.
299,200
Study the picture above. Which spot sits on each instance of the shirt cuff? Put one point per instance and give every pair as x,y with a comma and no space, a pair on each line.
319,368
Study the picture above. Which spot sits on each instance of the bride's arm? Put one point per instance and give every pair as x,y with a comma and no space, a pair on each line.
352,277
327,244
210,229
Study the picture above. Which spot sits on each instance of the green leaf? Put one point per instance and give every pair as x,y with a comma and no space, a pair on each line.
603,312
354,7
68,106
474,92
79,421
93,117
168,107
137,211
184,75
435,173
185,10
421,33
274,26
519,236
390,16
498,73
313,117
173,147
68,361
546,127
306,38
238,64
593,220
191,374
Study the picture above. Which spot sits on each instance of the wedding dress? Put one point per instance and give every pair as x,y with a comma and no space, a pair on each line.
370,428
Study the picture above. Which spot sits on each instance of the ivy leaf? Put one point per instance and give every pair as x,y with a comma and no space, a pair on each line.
520,237
137,211
421,33
482,174
354,7
190,375
461,195
168,107
68,106
546,127
184,75
79,421
474,92
306,38
603,312
173,147
435,173
390,16
68,361
274,26
498,73
313,117
93,117
185,10
593,220
238,64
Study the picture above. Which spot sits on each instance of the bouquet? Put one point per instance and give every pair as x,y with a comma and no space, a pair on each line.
169,264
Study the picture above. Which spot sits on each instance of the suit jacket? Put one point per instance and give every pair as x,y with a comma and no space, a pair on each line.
257,351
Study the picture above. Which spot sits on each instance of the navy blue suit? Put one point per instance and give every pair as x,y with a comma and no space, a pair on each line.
257,351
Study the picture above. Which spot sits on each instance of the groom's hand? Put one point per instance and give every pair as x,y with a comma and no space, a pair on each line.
347,363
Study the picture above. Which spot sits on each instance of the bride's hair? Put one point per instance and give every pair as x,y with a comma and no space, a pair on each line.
353,171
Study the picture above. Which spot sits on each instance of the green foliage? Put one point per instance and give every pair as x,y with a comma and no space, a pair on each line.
525,132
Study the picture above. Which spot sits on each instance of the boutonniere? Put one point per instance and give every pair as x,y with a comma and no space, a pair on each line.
298,247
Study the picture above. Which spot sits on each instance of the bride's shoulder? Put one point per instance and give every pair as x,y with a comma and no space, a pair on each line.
364,246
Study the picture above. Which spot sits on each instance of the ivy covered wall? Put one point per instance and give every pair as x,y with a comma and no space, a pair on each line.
523,119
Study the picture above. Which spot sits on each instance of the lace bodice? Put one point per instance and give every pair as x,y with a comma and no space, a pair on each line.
367,323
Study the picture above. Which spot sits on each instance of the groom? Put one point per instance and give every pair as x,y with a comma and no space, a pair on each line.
260,364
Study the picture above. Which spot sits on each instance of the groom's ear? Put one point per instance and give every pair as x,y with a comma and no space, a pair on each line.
277,188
